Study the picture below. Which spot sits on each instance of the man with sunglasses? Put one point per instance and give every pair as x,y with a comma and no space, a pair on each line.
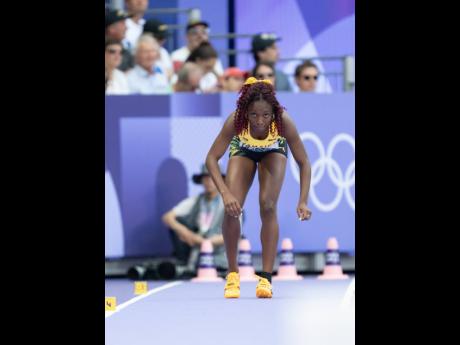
115,28
116,82
306,76
264,49
197,32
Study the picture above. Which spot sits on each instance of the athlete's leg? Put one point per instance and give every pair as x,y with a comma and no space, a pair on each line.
271,175
240,174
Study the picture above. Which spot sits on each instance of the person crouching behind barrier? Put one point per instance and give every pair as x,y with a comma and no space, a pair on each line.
195,219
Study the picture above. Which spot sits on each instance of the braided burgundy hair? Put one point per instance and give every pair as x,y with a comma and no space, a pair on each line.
255,92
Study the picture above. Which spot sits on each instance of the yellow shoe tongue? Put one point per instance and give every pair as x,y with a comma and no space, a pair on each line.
232,278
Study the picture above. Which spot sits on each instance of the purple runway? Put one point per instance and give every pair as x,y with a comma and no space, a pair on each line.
309,311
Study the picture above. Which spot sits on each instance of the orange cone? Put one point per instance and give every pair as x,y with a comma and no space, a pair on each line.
245,268
287,269
206,270
333,269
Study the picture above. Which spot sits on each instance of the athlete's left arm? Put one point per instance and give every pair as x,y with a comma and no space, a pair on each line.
300,155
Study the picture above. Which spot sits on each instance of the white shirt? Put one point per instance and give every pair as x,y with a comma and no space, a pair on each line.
185,206
208,81
118,84
180,54
133,32
144,83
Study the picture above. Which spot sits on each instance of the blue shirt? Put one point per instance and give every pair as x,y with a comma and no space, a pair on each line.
142,82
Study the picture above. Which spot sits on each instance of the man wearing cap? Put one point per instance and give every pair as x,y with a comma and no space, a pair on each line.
233,79
264,49
160,32
195,219
115,28
197,32
134,24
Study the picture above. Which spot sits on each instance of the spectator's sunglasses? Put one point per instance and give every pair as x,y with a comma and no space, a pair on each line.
197,31
113,51
308,77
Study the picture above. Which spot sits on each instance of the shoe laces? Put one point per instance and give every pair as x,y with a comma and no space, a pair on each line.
264,283
232,280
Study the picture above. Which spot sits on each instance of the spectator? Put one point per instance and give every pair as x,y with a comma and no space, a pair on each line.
233,79
195,219
115,28
188,78
115,80
197,32
135,24
160,32
146,77
206,57
306,76
263,70
264,49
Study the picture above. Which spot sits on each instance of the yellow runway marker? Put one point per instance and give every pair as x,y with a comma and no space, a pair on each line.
110,303
140,288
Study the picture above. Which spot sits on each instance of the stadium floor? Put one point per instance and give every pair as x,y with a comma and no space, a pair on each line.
309,311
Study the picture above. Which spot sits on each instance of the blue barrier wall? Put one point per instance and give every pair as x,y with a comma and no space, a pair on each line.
154,144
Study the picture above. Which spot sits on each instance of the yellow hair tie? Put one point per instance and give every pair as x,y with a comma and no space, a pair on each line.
252,80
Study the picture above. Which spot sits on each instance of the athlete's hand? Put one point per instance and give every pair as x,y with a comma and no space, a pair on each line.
303,211
232,206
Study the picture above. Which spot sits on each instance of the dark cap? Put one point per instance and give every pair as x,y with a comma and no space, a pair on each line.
204,172
113,16
262,41
193,24
156,28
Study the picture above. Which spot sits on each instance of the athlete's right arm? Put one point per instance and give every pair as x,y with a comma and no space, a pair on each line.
217,150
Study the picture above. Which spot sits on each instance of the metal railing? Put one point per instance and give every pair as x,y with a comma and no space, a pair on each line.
347,71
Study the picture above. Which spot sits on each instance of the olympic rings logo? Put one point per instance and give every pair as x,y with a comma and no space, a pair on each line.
325,163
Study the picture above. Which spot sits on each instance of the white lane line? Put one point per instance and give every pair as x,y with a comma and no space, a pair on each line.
349,295
138,298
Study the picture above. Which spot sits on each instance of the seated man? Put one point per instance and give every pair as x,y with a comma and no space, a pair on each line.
195,219
160,32
147,77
